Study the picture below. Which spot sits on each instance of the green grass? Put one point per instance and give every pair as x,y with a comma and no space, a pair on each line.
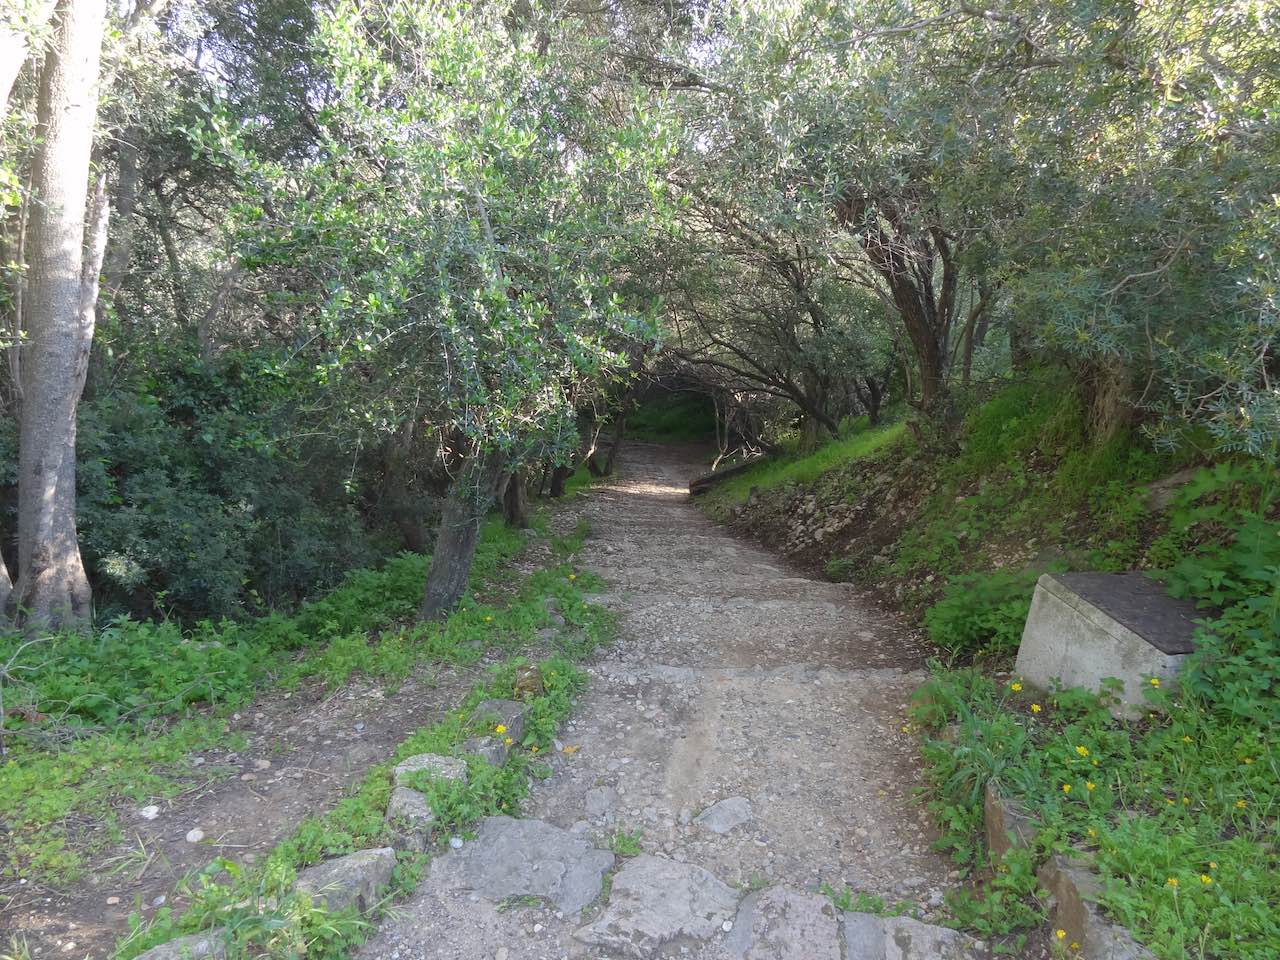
673,418
115,715
774,473
1177,812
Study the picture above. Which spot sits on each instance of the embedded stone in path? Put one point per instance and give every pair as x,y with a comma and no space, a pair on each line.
1007,824
868,937
198,946
1073,890
527,858
410,809
782,924
656,904
354,880
724,816
505,713
443,768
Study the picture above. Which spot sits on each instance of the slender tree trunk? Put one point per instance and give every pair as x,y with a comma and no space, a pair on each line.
52,589
470,496
164,226
619,434
559,477
515,502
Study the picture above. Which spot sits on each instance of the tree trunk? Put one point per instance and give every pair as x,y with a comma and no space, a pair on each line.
873,400
619,433
52,589
470,496
559,476
515,502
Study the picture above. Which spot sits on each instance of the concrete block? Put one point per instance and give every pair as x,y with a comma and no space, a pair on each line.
1086,627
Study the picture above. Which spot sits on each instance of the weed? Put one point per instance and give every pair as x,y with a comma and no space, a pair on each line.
626,843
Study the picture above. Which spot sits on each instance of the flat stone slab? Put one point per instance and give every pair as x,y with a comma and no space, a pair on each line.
657,904
355,880
1086,627
442,768
783,924
527,858
869,937
195,947
724,816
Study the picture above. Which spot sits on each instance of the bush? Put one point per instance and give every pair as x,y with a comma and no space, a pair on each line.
982,612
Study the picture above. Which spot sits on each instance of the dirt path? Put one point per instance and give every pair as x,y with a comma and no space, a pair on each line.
733,678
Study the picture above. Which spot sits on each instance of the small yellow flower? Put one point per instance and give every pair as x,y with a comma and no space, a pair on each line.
1066,788
1092,832
1015,687
488,619
571,750
500,728
1172,882
1035,708
1060,934
1089,784
1155,681
1074,945
1083,751
1186,739
1168,801
1213,865
573,576
508,741
1241,804
1206,879
1247,760
1095,763
1186,801
534,748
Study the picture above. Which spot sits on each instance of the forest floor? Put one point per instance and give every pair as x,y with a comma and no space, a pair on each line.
733,676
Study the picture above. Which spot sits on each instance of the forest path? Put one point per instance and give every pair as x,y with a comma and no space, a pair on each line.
733,677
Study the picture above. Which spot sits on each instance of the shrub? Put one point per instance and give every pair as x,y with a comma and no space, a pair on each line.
981,612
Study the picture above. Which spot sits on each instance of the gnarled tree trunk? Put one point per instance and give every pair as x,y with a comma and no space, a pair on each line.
515,502
63,264
470,496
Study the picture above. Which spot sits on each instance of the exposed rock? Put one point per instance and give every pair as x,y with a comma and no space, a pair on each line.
353,880
724,816
1007,824
506,713
658,903
489,749
410,808
782,924
194,947
600,801
195,835
1074,890
868,937
527,858
443,768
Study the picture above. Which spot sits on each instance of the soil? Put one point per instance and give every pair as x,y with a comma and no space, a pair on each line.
734,676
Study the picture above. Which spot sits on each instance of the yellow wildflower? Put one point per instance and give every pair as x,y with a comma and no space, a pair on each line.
1060,934
1247,760
534,748
1083,751
1095,763
573,576
500,728
1186,801
1066,788
1089,784
1241,804
1206,879
570,750
1172,882
1015,687
1155,681
1092,832
1186,739
488,619
508,741
1035,708
1074,945
1213,865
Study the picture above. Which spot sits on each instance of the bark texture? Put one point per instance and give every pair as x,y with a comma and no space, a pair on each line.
515,502
64,259
470,496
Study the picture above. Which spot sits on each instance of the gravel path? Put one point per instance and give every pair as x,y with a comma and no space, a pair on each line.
748,720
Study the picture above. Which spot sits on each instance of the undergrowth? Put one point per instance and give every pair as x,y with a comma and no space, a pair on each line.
92,722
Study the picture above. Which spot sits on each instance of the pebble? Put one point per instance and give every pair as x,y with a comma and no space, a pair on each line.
537,928
727,926
112,901
455,842
262,764
501,954
195,835
149,812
